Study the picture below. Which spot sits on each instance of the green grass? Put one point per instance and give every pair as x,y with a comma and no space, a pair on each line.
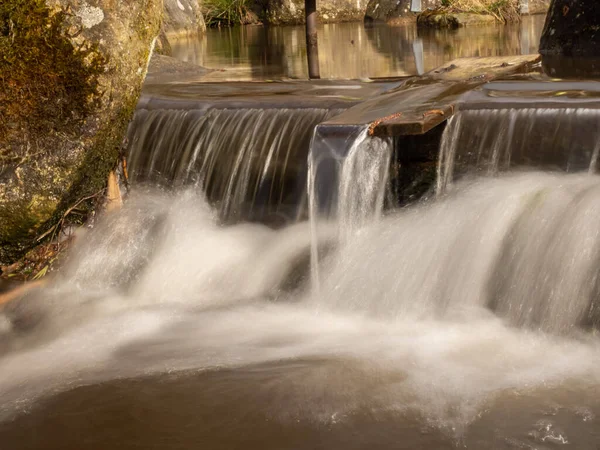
218,13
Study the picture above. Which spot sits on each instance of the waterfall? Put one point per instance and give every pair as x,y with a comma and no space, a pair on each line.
489,141
445,312
346,183
362,184
246,160
525,247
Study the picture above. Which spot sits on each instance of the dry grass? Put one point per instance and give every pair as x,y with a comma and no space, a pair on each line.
502,10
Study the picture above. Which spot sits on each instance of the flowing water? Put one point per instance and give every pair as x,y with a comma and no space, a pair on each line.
487,141
467,320
249,161
463,322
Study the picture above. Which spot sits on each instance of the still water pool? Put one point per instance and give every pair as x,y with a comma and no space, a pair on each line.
351,50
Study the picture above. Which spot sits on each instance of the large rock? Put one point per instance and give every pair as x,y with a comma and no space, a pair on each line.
183,18
440,19
572,29
286,12
396,11
70,74
535,6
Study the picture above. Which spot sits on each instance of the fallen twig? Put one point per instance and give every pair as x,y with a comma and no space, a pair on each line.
59,224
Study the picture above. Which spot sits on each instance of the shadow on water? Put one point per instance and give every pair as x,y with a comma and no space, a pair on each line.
351,50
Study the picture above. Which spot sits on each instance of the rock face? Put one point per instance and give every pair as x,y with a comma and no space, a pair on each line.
396,11
535,6
70,76
453,20
572,29
183,18
288,12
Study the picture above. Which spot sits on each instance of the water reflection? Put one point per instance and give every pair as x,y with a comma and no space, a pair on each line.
351,50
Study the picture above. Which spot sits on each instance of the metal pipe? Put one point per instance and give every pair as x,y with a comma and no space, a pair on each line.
312,45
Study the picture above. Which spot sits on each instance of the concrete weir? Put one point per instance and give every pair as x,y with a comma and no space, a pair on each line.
422,103
257,166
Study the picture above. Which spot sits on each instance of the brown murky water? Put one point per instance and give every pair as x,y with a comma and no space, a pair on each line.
351,50
277,406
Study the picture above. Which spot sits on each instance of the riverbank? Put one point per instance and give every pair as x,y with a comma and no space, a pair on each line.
452,13
192,17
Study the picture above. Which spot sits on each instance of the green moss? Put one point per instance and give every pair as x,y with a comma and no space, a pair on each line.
65,134
99,161
47,85
16,221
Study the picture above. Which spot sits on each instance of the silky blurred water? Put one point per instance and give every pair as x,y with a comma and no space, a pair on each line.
465,321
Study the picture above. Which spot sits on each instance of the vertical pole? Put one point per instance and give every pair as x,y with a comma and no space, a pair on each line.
312,47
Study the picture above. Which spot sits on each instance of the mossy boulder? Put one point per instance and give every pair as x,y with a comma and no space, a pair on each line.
70,76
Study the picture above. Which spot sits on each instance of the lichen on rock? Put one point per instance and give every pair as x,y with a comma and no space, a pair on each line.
70,75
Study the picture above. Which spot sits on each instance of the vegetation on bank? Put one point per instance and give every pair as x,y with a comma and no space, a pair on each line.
219,13
502,10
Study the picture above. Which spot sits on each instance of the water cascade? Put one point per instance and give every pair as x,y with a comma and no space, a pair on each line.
347,182
468,319
496,131
250,162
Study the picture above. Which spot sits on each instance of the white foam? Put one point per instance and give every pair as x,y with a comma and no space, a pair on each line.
161,288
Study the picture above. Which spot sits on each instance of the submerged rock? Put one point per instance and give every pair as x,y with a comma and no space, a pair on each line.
165,69
70,73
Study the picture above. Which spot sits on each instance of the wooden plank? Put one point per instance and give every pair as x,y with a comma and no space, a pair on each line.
413,123
423,103
458,77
